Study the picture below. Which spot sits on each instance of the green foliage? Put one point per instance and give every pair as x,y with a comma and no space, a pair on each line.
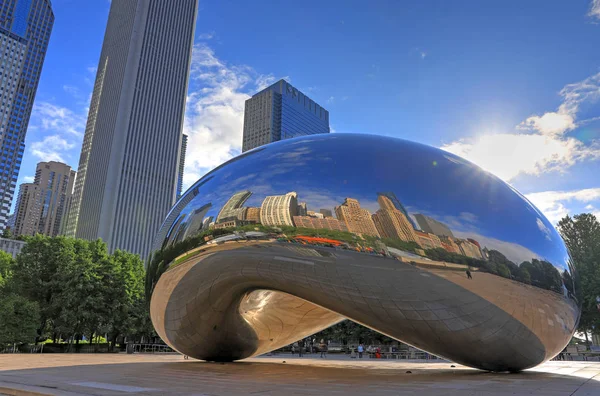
79,289
440,254
6,263
7,233
581,234
19,319
402,245
347,331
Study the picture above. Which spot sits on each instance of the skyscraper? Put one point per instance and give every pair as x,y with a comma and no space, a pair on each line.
279,209
433,226
398,205
233,207
25,27
130,158
391,222
41,205
184,139
357,219
281,112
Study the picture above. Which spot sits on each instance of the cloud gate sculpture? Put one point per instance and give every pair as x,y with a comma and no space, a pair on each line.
413,242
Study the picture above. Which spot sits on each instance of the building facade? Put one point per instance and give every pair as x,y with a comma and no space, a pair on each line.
432,226
233,208
11,246
398,206
42,205
281,112
279,210
317,223
131,155
358,220
392,223
25,27
184,139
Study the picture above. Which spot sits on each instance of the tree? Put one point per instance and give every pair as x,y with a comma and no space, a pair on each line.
7,233
125,302
37,271
6,263
19,319
581,234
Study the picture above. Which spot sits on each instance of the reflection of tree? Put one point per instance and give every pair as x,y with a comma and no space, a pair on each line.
536,272
543,274
160,260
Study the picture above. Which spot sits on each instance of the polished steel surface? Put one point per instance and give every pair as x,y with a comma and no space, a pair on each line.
411,241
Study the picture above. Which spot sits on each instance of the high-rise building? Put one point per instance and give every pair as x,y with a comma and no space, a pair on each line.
428,241
233,207
302,209
358,220
392,223
41,205
131,154
281,112
279,209
25,27
184,139
469,249
398,205
252,215
433,226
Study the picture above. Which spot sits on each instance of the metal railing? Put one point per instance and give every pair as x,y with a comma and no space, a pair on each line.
149,348
578,357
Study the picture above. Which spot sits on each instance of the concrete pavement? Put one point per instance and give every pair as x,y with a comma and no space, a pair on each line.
119,374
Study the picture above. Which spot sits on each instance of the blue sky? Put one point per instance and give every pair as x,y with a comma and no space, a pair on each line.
512,86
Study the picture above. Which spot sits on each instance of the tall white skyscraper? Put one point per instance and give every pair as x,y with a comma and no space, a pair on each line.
25,27
129,163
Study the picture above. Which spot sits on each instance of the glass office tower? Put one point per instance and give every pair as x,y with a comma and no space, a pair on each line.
281,112
130,161
25,27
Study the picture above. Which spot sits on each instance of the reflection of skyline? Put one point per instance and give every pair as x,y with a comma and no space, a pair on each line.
446,190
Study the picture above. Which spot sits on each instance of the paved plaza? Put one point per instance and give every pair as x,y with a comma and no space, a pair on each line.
120,374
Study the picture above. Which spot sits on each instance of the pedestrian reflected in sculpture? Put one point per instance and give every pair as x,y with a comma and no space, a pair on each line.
290,238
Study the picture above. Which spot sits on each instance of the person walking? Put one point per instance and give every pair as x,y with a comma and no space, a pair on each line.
469,274
352,352
361,349
323,349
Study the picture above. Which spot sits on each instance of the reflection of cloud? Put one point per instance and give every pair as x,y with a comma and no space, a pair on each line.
543,228
554,203
513,251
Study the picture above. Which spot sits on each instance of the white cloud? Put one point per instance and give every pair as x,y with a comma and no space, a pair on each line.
331,100
70,89
550,123
508,154
554,203
543,228
48,116
540,144
215,110
594,9
51,148
563,120
206,36
28,179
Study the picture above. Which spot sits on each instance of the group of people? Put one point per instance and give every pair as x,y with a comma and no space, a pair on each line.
360,349
300,347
